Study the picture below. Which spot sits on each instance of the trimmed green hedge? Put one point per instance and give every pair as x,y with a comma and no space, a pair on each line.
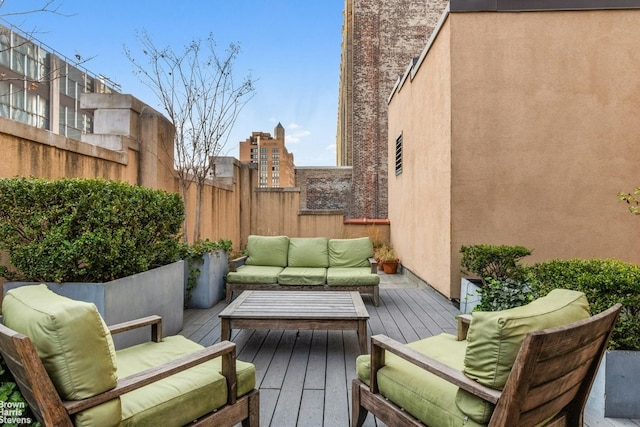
605,282
86,230
493,261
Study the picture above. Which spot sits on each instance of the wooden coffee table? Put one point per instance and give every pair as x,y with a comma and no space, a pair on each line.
334,310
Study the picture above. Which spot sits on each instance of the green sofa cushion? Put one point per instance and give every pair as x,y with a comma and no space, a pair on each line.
352,276
420,393
267,250
254,274
494,339
73,342
302,276
183,397
350,252
308,252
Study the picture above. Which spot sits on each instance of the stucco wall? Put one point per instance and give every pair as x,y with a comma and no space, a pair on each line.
544,134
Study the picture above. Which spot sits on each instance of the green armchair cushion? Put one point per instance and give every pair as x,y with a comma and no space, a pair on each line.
73,342
267,250
254,274
350,252
420,393
302,276
308,252
494,339
351,276
183,397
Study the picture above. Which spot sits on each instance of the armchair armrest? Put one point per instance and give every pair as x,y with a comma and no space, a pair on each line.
154,321
464,320
237,262
374,265
226,349
380,343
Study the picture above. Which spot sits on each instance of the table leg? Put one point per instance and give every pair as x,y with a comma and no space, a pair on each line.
225,329
362,336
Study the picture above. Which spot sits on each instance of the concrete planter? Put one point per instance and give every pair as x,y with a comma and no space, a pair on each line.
469,296
210,285
616,390
159,291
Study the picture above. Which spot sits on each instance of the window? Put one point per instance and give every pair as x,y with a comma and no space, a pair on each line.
275,156
275,150
399,155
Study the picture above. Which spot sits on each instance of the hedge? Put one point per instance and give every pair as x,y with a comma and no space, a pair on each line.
86,230
605,282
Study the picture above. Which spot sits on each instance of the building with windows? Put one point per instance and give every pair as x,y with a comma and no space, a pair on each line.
42,89
275,163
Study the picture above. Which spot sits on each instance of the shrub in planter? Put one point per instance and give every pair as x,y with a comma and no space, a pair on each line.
491,261
193,255
605,282
502,294
86,230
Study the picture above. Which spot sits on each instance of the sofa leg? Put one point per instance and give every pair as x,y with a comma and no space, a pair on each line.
229,293
376,296
358,413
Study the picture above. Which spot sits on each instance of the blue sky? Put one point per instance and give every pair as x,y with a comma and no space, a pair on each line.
290,47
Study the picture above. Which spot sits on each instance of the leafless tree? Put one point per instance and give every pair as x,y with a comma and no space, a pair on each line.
197,90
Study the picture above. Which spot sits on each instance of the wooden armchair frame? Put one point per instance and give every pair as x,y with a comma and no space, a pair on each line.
550,379
39,392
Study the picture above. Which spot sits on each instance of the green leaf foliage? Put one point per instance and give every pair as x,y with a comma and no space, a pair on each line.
502,294
192,254
491,261
605,282
86,230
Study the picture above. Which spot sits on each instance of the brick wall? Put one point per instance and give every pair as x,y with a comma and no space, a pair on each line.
380,38
324,189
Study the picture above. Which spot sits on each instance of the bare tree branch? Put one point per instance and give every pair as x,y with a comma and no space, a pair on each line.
197,90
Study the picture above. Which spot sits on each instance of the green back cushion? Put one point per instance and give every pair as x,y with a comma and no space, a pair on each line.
494,340
350,252
308,252
74,344
267,250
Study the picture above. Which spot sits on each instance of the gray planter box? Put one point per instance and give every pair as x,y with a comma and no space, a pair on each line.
616,389
159,291
469,296
210,285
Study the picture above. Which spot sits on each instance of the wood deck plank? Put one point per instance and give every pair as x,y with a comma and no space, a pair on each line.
305,377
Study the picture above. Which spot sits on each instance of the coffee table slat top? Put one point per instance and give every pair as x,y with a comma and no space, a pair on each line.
297,305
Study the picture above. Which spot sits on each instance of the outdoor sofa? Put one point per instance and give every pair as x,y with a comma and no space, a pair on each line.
526,366
63,359
315,263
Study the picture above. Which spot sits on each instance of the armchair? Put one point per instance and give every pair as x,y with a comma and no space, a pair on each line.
66,367
529,366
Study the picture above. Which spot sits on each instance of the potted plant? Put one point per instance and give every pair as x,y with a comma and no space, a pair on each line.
110,243
207,263
480,263
388,259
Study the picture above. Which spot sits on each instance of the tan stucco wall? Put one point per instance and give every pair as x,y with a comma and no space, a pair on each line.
419,206
544,134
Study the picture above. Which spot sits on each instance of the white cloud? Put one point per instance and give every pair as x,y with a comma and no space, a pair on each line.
294,126
332,148
296,137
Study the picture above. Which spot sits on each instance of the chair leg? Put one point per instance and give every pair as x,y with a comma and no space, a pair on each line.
253,420
358,413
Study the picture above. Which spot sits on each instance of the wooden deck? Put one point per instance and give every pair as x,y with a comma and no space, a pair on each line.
305,376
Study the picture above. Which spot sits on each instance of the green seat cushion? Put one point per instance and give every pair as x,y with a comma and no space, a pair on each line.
352,276
267,250
302,276
494,339
254,274
308,252
350,252
73,342
182,397
422,394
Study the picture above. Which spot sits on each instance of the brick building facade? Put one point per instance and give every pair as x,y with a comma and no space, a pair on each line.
379,40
